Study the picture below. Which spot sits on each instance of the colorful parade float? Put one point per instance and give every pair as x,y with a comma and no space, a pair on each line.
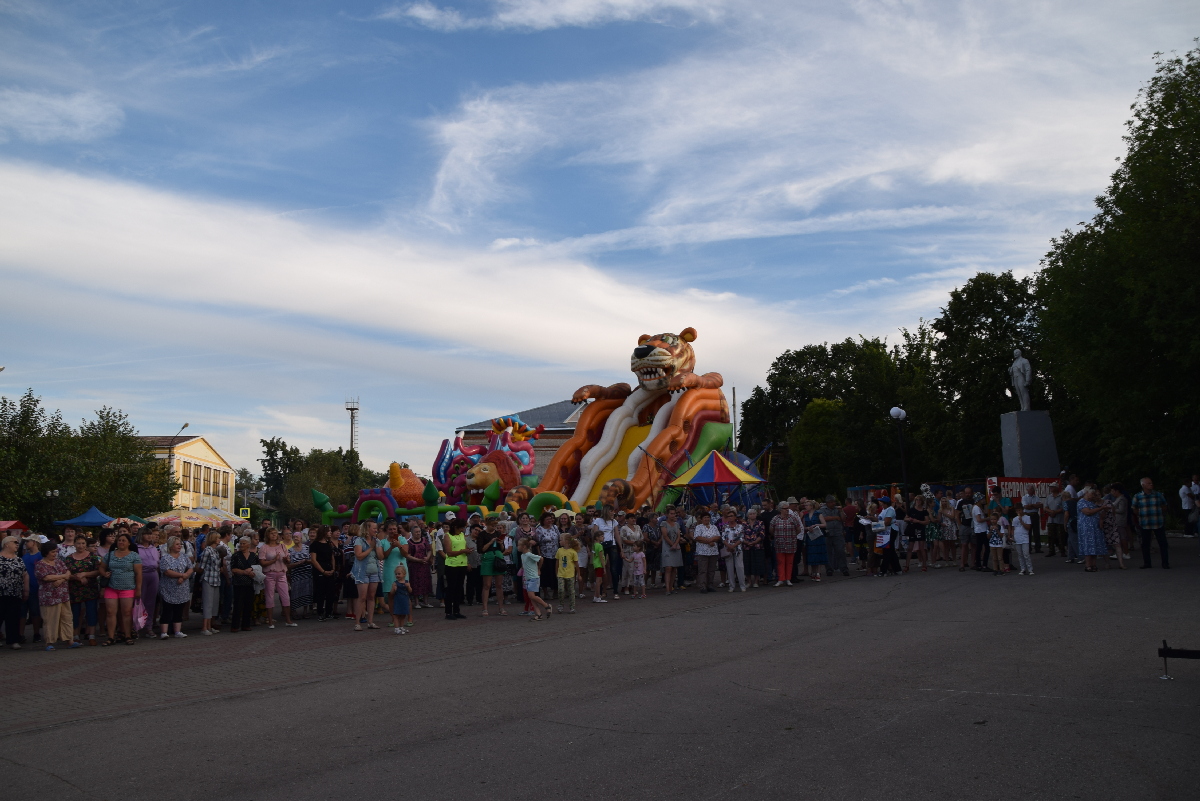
629,444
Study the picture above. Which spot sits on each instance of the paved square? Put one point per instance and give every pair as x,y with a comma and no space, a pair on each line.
940,685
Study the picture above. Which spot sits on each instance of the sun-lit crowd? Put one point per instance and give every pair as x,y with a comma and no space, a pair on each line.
132,581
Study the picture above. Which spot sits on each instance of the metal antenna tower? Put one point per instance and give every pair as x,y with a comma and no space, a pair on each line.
352,407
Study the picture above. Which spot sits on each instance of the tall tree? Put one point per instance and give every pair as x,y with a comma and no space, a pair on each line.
104,463
1119,295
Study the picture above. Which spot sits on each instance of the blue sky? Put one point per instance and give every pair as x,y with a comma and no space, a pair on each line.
239,214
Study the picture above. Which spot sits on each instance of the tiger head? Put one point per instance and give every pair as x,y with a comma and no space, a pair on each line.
659,358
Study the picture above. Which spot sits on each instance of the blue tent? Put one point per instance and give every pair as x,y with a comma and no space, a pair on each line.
92,517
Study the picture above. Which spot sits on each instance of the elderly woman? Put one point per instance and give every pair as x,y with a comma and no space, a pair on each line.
14,589
54,597
815,553
1091,536
241,568
300,574
1120,519
175,586
147,550
733,534
753,551
210,582
122,567
672,548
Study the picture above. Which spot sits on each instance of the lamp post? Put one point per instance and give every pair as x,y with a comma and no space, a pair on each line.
171,453
899,415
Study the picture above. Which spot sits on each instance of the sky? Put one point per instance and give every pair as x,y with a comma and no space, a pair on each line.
240,214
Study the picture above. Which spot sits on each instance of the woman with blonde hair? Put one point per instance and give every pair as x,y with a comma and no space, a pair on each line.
273,557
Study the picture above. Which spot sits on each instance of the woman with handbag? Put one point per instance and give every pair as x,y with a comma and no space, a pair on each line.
815,555
147,550
121,568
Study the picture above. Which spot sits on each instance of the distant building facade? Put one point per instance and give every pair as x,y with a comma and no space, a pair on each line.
207,479
558,418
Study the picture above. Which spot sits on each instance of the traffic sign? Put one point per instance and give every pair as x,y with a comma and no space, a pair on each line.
244,513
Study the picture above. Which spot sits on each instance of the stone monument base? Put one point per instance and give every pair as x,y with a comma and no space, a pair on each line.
1028,445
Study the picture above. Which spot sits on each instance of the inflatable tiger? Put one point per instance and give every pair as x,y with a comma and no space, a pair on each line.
668,410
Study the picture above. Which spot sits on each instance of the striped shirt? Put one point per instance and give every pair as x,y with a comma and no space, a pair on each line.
1150,509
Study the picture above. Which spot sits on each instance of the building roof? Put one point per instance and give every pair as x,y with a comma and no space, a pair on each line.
165,442
561,416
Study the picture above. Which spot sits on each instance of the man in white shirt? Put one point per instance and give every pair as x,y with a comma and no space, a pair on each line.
1022,527
1055,533
607,526
1187,501
979,531
1031,505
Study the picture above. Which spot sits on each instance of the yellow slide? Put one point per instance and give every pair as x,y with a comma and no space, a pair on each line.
619,466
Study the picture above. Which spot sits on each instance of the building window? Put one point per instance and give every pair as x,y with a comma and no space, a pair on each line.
187,477
224,484
208,481
196,478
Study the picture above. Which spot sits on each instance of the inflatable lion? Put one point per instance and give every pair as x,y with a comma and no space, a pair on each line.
626,437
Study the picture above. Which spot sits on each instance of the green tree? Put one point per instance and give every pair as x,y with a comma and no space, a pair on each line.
1119,294
290,476
104,463
819,449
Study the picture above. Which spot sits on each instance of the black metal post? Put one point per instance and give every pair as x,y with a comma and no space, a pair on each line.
903,463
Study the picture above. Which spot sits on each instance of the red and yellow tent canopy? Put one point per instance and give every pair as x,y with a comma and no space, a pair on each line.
712,470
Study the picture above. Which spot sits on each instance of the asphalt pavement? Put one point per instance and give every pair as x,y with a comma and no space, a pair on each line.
938,685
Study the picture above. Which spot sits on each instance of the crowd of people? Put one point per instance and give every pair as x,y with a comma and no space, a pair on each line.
133,582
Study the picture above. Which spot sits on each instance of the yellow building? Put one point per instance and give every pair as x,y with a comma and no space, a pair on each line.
207,479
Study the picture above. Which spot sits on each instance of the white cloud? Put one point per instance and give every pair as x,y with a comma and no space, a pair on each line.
538,15
809,109
238,317
38,117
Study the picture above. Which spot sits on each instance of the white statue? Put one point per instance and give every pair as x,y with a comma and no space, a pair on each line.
1021,373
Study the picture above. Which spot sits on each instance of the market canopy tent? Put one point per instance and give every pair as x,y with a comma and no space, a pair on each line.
92,517
185,518
13,525
713,470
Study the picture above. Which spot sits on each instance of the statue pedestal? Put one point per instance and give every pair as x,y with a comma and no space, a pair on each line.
1028,445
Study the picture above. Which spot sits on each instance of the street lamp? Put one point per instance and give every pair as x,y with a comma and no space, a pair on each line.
171,453
899,415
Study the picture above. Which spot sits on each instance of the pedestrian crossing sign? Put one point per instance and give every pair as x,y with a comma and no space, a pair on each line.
244,513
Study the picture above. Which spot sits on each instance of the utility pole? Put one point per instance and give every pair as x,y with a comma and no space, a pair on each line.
352,407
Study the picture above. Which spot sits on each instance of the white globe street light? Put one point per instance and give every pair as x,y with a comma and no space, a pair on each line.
898,415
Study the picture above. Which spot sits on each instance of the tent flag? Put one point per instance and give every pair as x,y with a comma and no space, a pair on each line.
92,517
714,469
